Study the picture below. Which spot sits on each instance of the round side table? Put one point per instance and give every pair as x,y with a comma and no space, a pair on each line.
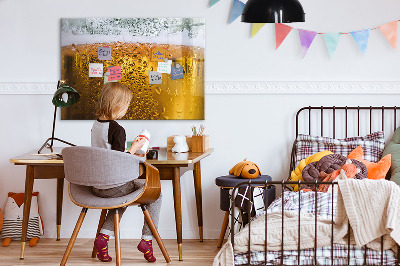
228,182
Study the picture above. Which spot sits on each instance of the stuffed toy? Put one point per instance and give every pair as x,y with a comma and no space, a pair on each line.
13,215
180,144
375,170
245,169
296,174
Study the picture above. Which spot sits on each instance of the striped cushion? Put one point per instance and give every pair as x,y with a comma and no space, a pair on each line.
13,228
372,145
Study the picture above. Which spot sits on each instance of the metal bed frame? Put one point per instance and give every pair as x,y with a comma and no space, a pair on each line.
283,184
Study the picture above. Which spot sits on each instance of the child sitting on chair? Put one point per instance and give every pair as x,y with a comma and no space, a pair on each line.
113,103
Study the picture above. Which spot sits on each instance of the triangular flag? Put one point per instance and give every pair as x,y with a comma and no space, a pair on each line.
256,28
361,37
213,2
281,31
237,9
306,39
390,32
332,41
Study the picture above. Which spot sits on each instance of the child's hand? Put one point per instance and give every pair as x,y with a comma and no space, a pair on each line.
137,144
142,155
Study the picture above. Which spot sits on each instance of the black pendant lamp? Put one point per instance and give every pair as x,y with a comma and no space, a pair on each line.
273,11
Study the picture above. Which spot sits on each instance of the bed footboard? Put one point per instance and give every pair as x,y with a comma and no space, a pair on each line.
309,256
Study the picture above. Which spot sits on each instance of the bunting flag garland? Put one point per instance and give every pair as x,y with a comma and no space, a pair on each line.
281,31
332,41
389,30
237,9
256,28
213,2
361,38
306,39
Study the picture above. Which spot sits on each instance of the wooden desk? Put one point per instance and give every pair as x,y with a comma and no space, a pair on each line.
168,164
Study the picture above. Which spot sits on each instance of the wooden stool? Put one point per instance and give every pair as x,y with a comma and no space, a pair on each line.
226,183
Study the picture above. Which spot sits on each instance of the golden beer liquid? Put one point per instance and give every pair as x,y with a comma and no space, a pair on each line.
173,99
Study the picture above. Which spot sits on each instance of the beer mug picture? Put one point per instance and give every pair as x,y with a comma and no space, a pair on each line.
161,60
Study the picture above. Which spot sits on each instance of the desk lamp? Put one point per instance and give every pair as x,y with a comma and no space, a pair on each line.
273,11
64,96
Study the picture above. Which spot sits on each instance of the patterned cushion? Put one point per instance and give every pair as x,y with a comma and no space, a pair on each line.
372,144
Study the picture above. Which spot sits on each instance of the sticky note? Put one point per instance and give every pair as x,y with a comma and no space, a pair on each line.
164,67
177,72
95,70
115,73
104,53
106,78
155,77
158,54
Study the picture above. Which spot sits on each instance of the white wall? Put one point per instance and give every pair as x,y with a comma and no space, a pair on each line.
258,127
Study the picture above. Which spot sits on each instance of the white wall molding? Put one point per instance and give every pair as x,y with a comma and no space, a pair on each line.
303,87
248,87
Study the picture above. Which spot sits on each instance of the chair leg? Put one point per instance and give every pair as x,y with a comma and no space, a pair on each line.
154,230
73,237
117,238
223,229
101,222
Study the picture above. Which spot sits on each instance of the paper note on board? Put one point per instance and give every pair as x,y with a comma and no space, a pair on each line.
95,70
104,53
115,73
158,54
106,78
177,72
164,67
155,77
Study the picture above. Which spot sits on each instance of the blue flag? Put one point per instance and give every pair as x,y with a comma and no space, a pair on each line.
361,38
237,10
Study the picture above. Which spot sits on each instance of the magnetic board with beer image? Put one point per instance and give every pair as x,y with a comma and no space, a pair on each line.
160,59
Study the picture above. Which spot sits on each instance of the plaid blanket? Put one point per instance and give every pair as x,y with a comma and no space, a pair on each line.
323,205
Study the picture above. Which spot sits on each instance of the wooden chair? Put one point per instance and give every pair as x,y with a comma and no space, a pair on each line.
85,167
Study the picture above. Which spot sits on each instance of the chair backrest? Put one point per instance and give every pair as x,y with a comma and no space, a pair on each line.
92,166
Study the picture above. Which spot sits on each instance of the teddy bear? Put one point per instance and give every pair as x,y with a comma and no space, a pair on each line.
245,169
13,215
180,144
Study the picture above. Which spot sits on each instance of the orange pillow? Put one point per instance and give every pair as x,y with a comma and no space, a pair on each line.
375,170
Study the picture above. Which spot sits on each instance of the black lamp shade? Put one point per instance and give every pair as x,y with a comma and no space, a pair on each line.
273,11
65,96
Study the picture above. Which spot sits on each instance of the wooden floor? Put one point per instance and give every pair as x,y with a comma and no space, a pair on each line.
50,252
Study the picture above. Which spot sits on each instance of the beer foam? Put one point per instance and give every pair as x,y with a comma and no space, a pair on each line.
157,31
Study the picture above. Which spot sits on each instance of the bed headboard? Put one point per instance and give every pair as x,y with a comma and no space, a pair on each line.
344,121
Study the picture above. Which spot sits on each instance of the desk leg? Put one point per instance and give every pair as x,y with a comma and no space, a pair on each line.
176,182
199,204
27,206
60,190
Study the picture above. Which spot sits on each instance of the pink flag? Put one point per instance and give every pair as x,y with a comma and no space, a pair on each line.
281,31
306,39
389,30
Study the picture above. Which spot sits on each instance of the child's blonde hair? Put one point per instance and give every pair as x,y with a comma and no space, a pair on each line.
113,97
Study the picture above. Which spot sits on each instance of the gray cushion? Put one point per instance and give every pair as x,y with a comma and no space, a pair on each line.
393,148
83,195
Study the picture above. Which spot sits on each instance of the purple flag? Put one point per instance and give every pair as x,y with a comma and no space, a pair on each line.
306,39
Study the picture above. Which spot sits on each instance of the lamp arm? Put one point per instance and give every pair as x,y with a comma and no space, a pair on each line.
54,126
